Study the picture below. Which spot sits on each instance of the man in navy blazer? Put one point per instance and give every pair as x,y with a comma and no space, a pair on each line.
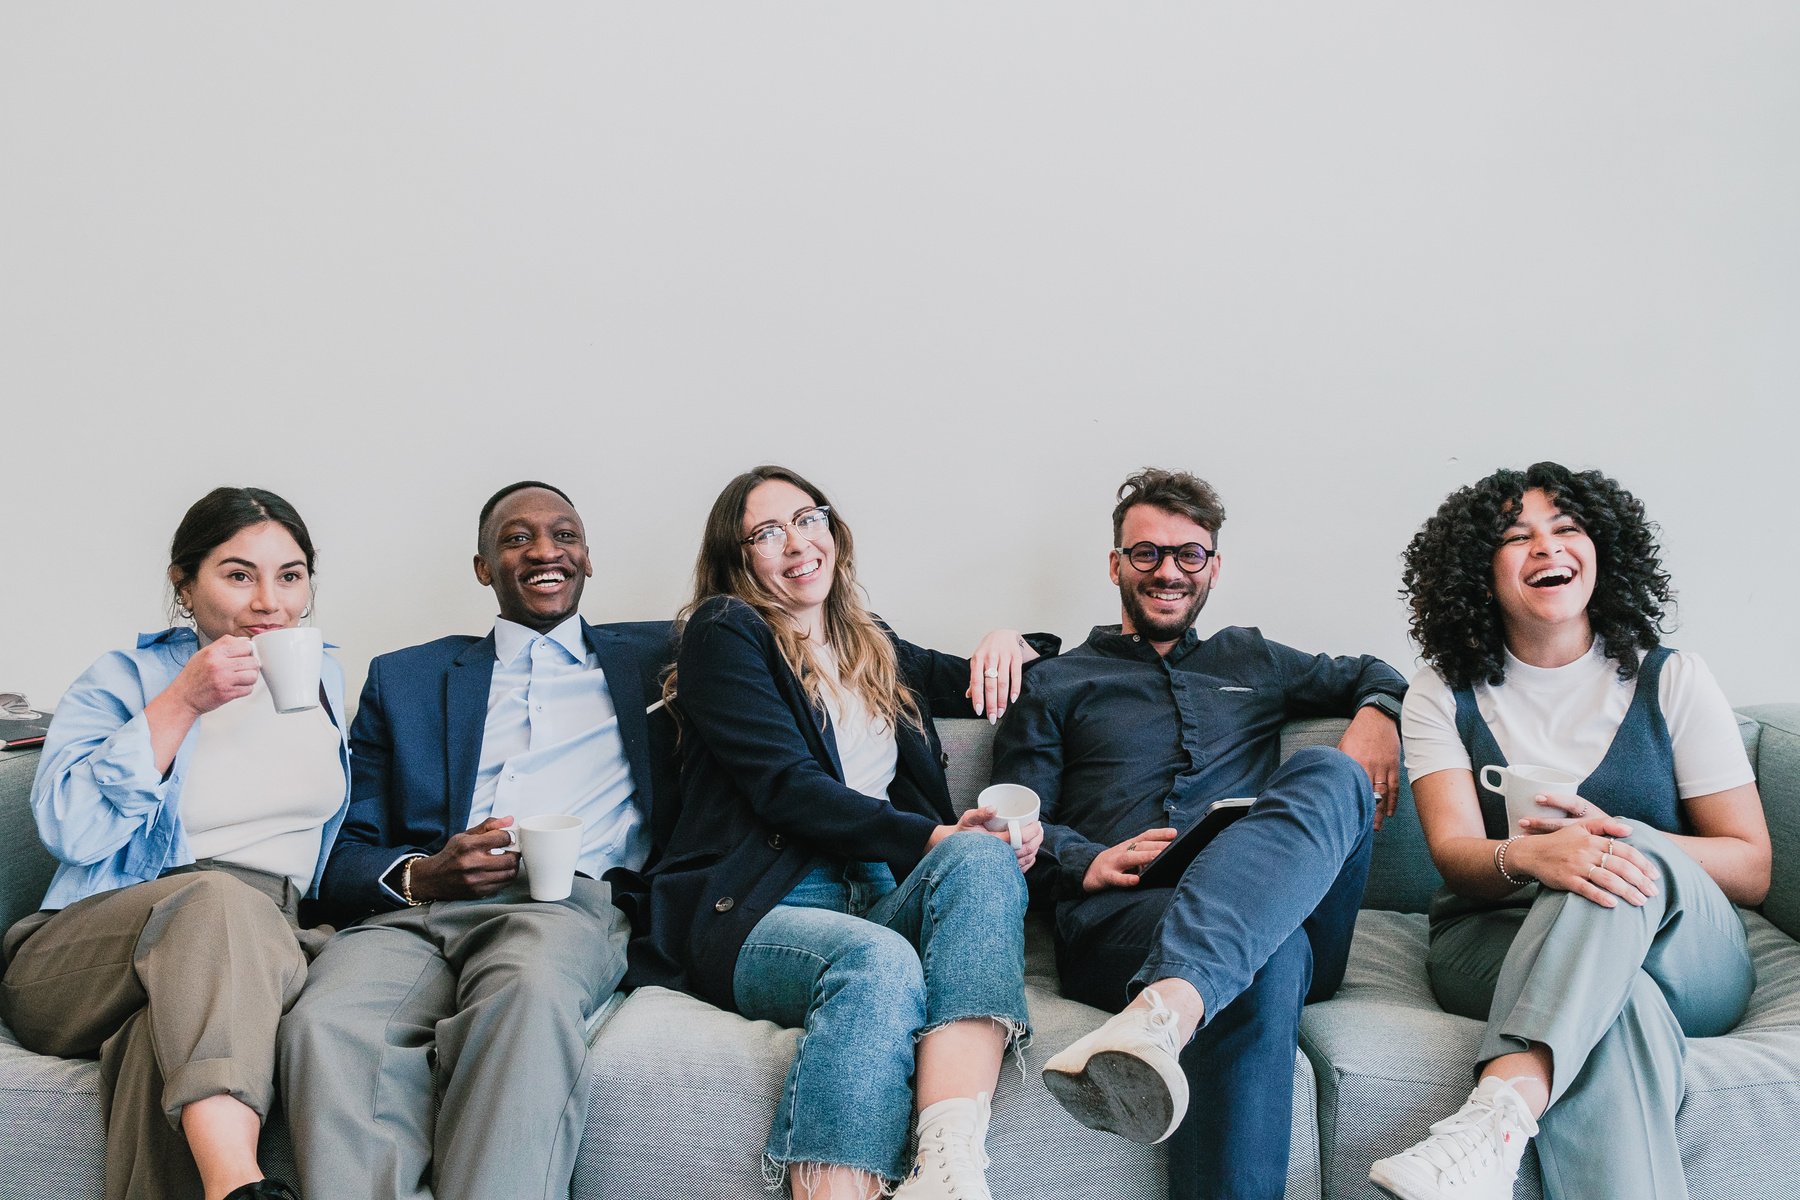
462,997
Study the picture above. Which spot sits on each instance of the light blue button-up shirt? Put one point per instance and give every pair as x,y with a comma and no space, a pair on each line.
552,745
102,808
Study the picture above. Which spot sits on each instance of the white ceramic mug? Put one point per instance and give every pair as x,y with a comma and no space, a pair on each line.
290,661
1523,784
549,845
1015,806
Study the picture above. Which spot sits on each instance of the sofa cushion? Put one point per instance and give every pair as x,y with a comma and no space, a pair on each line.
52,1146
676,1078
684,1094
1390,1062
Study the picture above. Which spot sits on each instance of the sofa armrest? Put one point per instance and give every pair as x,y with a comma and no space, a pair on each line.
1777,764
25,866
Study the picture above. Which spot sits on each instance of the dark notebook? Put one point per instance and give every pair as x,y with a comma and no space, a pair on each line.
1165,869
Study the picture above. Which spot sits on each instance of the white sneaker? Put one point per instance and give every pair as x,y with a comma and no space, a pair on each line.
952,1159
1125,1077
1473,1155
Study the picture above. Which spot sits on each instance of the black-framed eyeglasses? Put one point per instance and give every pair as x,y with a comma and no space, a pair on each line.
811,523
1191,557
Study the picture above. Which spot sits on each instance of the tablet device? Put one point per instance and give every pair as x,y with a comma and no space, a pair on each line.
1165,869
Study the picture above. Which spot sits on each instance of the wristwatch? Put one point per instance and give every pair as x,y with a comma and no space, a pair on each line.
1385,704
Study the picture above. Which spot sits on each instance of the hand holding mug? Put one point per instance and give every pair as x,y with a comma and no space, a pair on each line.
1555,812
219,673
472,864
1534,792
1025,837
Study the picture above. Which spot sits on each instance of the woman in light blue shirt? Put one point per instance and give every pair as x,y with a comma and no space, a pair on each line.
188,818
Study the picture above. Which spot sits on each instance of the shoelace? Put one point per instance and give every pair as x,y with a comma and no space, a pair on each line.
1160,1022
1465,1144
955,1156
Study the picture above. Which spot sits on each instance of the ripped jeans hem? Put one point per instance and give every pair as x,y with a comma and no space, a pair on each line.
775,1174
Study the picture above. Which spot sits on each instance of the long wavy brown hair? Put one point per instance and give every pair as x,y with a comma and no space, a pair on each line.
866,662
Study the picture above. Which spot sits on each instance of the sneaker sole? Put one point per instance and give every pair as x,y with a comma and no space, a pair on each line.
1401,1189
1119,1094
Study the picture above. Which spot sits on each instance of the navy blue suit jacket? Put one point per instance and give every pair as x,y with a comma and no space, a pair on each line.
416,743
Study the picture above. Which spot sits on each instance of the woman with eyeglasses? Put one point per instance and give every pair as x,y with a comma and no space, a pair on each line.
1595,936
188,817
817,875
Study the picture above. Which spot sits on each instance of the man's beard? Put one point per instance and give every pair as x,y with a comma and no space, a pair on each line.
1155,627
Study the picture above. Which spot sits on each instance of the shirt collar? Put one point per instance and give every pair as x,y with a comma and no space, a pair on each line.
174,637
1112,640
511,638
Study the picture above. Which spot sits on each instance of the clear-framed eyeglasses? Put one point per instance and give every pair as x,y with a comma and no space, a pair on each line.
1191,557
771,540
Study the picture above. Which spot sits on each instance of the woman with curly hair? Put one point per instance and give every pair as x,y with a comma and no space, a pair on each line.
1592,942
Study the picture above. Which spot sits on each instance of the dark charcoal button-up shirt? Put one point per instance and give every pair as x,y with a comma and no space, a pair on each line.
1116,739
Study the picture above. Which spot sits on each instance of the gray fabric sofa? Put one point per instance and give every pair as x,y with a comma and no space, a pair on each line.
682,1094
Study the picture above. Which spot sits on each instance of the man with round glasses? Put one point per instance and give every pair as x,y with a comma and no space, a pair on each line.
1127,740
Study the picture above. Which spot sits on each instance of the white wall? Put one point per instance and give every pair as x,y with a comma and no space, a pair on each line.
964,264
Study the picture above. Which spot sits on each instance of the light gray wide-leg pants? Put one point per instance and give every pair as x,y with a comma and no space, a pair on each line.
1614,993
439,1050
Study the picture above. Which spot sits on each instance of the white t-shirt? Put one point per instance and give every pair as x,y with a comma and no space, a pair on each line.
866,747
261,785
1565,718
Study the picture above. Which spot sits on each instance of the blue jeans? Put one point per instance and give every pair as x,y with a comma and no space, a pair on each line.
1260,924
866,968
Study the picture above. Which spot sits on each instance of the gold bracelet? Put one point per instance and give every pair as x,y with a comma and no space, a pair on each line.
1500,865
406,881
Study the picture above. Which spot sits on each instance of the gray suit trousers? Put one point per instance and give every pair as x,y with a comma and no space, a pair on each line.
439,1050
1614,993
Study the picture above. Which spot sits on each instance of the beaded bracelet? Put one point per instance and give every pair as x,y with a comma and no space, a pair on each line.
406,881
1500,865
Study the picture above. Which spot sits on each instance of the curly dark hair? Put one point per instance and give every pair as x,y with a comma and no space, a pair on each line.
1448,582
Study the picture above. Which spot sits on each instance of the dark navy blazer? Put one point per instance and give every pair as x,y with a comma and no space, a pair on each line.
416,743
763,798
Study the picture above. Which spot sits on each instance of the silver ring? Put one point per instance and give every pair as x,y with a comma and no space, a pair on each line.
1609,845
1129,848
992,672
1603,859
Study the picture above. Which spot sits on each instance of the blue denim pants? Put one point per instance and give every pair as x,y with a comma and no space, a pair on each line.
1260,924
866,968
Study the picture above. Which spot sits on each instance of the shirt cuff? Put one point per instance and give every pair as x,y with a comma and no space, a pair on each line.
381,879
1072,868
